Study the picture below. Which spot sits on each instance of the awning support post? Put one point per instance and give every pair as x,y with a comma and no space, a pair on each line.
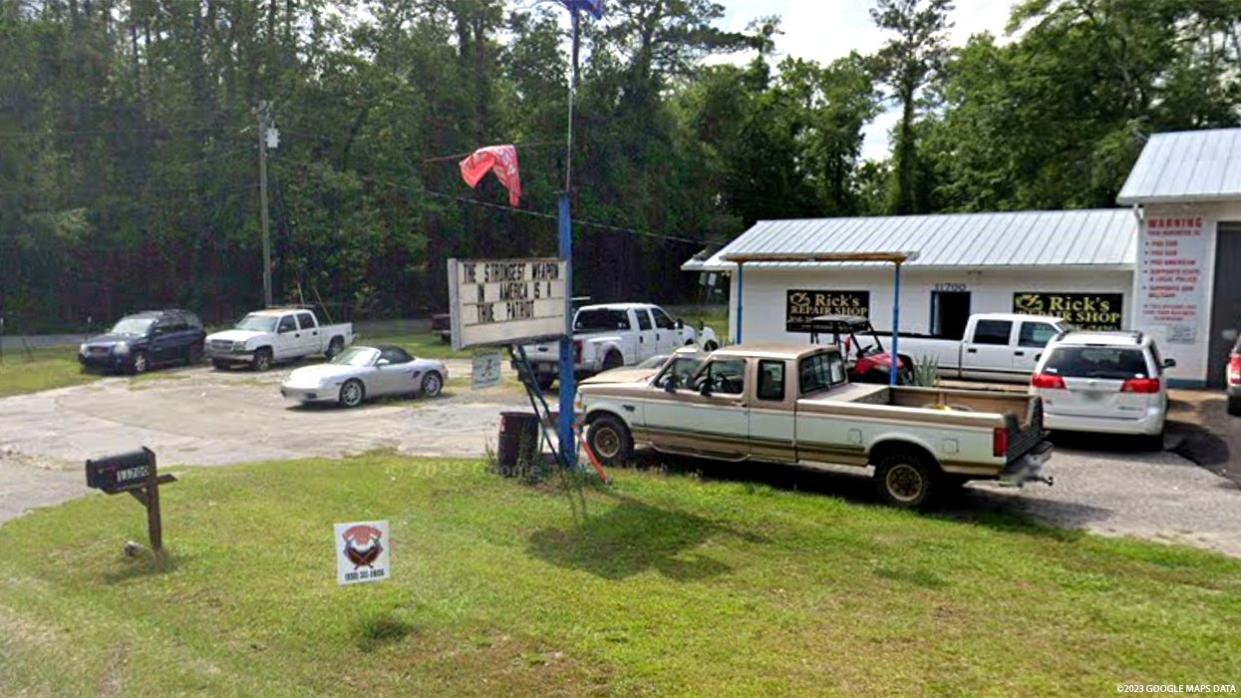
894,369
740,296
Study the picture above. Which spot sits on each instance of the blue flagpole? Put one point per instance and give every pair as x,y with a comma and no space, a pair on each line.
568,389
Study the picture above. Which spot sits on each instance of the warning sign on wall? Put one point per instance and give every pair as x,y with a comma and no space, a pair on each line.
1170,276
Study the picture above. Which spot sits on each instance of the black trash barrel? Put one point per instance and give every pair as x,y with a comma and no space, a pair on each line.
519,433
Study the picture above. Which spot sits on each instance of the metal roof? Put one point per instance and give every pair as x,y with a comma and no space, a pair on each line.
1101,237
1186,166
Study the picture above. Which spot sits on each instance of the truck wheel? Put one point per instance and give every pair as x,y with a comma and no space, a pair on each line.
710,346
432,384
352,393
1234,405
610,441
141,363
262,360
612,360
904,480
334,347
544,382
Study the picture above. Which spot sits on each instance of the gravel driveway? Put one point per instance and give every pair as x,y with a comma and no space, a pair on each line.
202,417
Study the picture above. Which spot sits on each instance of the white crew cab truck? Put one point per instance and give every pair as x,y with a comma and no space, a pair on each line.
612,335
266,337
1002,347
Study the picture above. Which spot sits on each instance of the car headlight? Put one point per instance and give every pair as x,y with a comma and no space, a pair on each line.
82,349
239,346
121,348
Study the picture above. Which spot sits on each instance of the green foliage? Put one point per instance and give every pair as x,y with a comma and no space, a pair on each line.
128,137
926,372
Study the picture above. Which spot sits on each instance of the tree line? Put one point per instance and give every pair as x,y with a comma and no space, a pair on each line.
129,137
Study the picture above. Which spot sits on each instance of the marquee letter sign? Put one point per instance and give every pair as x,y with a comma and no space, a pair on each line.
497,302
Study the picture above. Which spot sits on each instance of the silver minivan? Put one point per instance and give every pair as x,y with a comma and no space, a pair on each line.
1108,382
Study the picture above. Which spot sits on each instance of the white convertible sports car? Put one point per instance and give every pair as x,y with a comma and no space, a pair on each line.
359,373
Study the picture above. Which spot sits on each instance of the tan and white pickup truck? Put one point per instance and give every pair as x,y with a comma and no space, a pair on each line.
794,404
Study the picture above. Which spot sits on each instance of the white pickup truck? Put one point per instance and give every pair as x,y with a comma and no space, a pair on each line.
265,337
794,404
617,334
996,347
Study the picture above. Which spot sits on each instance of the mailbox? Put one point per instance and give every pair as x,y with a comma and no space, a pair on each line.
124,471
133,472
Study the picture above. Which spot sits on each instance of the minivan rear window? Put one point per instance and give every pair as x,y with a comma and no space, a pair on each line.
1097,362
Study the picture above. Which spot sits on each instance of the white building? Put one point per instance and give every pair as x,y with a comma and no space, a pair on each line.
1169,265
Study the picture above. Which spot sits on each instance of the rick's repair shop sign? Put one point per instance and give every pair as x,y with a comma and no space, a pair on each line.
801,305
1089,311
505,301
362,550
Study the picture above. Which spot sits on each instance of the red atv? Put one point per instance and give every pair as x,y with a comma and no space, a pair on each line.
865,356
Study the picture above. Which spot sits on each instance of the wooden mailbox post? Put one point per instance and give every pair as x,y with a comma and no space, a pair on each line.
134,472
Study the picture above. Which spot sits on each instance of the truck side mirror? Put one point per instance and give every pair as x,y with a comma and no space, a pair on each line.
680,324
704,386
382,362
670,383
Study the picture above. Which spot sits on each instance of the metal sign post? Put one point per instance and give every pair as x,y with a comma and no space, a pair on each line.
134,472
568,389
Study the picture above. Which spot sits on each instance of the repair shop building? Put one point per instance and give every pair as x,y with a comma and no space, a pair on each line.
1169,264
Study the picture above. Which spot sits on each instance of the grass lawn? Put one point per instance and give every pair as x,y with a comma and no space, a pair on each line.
669,585
41,369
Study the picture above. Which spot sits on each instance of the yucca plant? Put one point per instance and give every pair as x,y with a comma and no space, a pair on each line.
926,372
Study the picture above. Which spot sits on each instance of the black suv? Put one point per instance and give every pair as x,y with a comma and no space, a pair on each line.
145,340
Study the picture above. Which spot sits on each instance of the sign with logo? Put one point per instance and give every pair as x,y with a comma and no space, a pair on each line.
486,370
362,551
800,306
505,301
1170,273
1089,311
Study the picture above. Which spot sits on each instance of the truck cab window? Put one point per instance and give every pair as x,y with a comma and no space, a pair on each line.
992,332
601,320
820,372
306,320
644,319
662,321
1036,334
771,380
725,377
286,324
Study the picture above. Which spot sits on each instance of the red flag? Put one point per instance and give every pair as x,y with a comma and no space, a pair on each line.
502,159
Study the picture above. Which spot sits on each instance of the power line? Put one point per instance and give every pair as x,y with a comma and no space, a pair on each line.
458,156
576,221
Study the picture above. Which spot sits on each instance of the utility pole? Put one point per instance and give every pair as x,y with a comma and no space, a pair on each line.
263,127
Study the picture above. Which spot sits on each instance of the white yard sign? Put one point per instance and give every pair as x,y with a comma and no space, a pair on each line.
362,551
486,370
1170,273
495,302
